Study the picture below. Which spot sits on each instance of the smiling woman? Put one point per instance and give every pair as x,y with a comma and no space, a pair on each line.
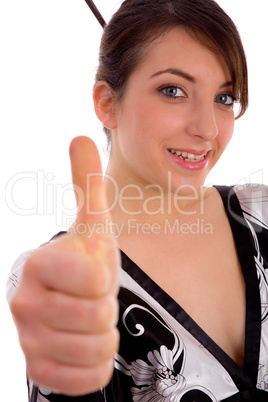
125,40
149,122
191,305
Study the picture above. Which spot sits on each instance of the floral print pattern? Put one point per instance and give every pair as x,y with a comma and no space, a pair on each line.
158,377
264,383
159,381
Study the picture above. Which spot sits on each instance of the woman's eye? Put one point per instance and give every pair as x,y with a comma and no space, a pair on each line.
225,99
172,92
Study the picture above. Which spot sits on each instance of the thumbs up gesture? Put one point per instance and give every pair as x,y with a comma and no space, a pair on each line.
65,308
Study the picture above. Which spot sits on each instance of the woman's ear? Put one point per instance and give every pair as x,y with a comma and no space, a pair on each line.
104,104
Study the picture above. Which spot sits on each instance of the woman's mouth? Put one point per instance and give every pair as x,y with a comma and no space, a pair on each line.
190,160
187,156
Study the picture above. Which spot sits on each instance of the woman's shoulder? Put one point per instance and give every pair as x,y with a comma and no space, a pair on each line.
246,203
253,199
251,189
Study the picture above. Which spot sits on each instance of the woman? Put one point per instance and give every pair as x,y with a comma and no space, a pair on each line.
193,285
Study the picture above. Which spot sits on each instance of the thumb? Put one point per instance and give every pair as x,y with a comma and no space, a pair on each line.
88,181
91,206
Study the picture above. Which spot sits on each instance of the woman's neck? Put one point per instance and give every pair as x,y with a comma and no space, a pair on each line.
151,203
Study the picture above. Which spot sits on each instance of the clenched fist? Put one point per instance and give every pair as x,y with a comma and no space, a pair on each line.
65,308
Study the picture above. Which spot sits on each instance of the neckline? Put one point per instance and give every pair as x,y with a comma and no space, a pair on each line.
242,377
246,253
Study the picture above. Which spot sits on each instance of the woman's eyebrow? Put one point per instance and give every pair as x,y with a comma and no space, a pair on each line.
175,71
187,76
226,84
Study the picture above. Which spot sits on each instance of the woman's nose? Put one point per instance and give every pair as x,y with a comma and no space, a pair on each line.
203,123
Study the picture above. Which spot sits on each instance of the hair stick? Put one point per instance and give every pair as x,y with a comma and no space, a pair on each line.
96,12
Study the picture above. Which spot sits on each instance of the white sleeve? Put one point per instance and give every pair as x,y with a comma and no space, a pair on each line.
15,274
17,269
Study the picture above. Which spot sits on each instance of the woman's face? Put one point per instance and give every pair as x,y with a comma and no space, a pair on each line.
176,116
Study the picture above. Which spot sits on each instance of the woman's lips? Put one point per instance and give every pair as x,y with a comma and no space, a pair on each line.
190,159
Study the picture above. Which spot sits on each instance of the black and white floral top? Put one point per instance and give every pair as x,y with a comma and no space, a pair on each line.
164,355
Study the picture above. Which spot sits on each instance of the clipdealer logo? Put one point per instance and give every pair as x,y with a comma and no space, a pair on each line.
38,193
46,197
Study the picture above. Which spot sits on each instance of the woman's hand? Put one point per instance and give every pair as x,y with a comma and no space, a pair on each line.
65,308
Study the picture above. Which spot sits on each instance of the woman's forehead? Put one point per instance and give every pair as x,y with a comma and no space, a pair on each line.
176,49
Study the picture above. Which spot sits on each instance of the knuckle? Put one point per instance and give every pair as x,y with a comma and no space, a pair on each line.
100,279
96,378
97,349
105,313
31,264
108,346
42,371
28,345
91,380
21,306
33,341
51,303
104,374
116,336
67,379
71,380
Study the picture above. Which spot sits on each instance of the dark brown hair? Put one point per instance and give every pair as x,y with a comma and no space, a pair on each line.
138,22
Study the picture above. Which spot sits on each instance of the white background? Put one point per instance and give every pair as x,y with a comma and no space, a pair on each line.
48,57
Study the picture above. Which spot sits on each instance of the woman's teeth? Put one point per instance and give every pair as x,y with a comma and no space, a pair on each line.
188,157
